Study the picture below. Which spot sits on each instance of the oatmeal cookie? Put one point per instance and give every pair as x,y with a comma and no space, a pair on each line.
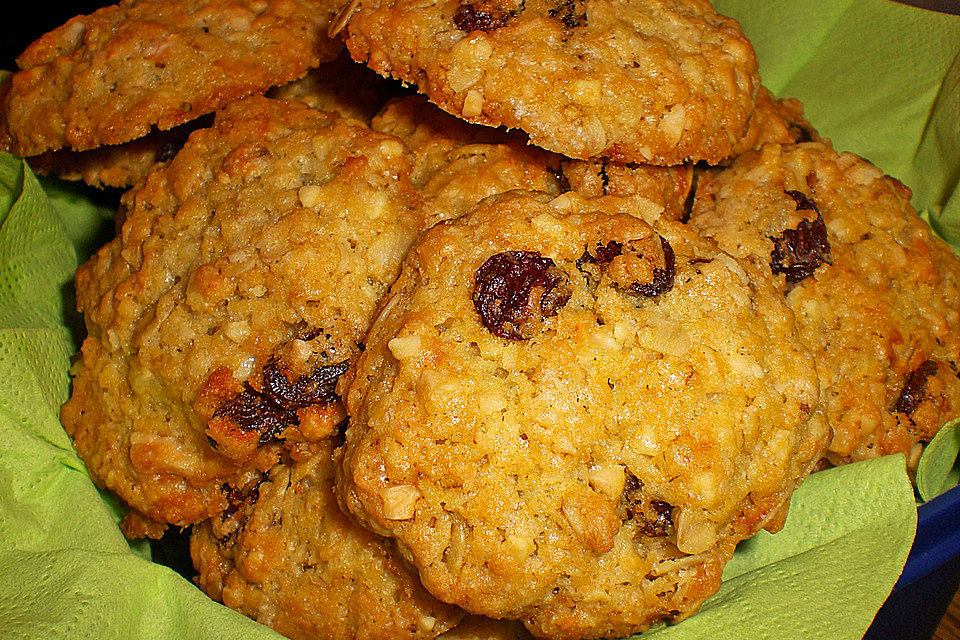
876,294
109,77
654,81
244,278
458,164
284,554
569,417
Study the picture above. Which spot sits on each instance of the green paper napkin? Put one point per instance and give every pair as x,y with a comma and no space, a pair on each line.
878,78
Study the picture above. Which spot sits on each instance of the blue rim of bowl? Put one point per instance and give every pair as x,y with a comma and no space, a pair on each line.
937,540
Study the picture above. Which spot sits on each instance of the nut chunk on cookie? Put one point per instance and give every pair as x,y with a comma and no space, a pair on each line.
568,416
876,294
656,81
242,283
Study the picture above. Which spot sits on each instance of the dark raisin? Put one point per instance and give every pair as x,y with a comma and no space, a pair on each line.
317,388
654,518
797,253
238,497
662,278
481,16
275,408
255,411
516,289
911,395
571,13
604,254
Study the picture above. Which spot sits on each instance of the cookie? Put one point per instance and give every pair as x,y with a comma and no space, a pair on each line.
876,294
652,81
241,285
111,76
458,164
284,554
569,417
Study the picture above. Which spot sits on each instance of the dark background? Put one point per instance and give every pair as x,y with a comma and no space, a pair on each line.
32,20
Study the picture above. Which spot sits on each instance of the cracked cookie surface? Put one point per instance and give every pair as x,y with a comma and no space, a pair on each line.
241,285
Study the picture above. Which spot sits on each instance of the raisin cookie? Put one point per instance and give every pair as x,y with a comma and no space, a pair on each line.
241,285
569,417
654,81
876,294
111,76
341,85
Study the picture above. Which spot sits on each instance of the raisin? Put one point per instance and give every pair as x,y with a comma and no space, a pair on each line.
797,253
911,395
481,16
662,278
238,497
654,517
317,388
275,408
571,13
255,411
517,289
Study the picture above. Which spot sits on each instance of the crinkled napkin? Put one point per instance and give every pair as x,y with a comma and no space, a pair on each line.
879,79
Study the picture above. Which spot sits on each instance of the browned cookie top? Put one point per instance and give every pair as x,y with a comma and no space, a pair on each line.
656,81
567,416
108,77
240,287
876,294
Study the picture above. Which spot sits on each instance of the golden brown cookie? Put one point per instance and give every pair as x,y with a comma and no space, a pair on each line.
653,81
876,294
111,76
242,283
284,554
567,416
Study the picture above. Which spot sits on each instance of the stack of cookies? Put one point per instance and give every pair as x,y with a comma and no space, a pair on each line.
527,352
